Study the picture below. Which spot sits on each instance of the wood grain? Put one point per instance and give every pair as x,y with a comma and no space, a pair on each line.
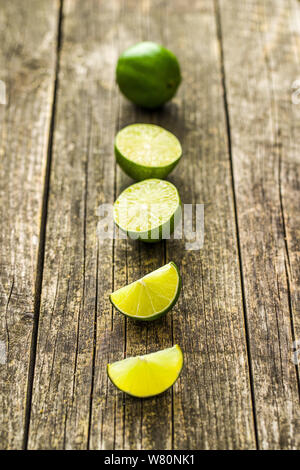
237,318
73,405
261,59
27,67
82,177
137,423
212,399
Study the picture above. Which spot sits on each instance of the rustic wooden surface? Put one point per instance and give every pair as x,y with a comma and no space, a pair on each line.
27,63
238,315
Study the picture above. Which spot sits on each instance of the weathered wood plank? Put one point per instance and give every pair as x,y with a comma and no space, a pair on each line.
261,58
143,426
212,399
82,178
80,271
136,422
27,67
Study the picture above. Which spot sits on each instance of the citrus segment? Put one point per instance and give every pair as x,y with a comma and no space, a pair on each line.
148,375
151,296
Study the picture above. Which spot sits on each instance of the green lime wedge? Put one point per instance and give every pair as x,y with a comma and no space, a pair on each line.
151,296
148,210
147,151
148,74
148,375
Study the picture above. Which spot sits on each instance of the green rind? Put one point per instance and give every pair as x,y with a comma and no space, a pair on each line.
149,396
155,316
148,74
142,172
146,236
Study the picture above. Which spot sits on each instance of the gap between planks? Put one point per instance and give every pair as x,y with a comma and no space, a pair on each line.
42,233
228,130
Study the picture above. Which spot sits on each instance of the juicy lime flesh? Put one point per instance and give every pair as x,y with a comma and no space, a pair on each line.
146,205
148,145
149,296
148,375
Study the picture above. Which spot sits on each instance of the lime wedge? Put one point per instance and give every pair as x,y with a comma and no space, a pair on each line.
147,151
148,210
148,375
151,296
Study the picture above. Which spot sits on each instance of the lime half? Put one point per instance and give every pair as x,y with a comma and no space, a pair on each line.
148,375
148,210
147,151
151,296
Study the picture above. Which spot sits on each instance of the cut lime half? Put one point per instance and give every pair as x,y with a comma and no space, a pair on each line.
148,210
151,296
147,151
148,375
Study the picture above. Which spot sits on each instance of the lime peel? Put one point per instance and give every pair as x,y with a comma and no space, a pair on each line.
148,74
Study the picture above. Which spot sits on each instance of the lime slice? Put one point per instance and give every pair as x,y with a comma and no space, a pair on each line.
148,375
147,151
151,296
148,74
148,210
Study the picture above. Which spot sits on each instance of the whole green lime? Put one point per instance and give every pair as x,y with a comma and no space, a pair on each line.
148,74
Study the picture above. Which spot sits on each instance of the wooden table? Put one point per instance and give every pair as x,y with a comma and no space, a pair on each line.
237,114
